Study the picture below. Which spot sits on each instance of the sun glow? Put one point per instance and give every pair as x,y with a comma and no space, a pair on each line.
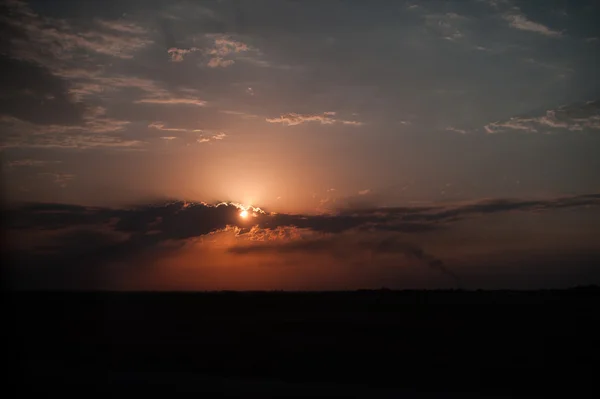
244,214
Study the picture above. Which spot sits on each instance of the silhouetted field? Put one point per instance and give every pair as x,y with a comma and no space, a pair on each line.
365,343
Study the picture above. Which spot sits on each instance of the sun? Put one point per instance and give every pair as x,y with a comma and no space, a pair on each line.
244,214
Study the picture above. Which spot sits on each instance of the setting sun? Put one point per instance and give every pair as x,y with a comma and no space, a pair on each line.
244,214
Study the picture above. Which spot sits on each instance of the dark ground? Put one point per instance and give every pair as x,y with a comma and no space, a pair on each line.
367,344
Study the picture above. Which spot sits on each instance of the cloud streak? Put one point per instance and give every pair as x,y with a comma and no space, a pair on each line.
573,118
96,132
172,101
45,35
326,118
519,21
30,163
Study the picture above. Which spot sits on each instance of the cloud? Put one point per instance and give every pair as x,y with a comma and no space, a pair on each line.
153,93
32,93
188,219
74,142
177,54
122,26
447,26
352,123
287,241
225,46
163,127
94,121
364,192
30,163
73,59
222,47
87,84
496,3
243,115
43,36
453,129
359,236
92,134
60,179
172,101
215,137
572,117
216,62
521,22
326,118
198,136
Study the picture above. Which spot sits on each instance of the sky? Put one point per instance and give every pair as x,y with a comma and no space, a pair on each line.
405,144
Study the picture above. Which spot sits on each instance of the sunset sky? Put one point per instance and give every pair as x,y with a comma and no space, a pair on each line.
405,144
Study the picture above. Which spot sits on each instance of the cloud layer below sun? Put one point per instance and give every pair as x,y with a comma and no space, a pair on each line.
88,244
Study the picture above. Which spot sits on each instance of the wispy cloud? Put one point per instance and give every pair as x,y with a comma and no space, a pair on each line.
512,124
60,179
549,66
76,56
244,115
496,3
72,141
89,83
448,26
171,101
59,39
85,83
94,133
214,137
455,130
122,26
519,21
163,127
197,135
352,123
326,118
30,163
573,117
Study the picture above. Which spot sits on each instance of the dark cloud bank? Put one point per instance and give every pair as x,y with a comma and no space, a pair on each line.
84,239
